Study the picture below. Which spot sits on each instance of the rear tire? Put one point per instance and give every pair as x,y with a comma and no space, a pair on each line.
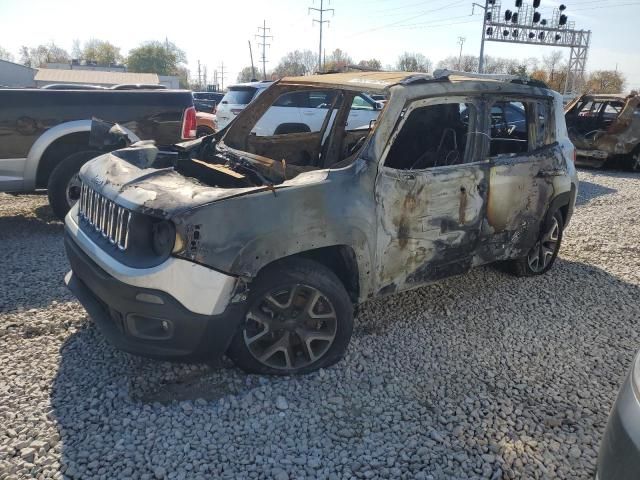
543,254
63,187
299,318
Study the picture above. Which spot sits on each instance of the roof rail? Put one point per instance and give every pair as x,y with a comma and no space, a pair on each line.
518,79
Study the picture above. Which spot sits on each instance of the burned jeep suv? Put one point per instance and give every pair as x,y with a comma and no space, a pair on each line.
605,127
262,245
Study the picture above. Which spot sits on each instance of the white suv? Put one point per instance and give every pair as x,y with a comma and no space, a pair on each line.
305,111
237,97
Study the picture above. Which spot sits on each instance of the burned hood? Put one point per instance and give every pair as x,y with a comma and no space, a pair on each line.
129,178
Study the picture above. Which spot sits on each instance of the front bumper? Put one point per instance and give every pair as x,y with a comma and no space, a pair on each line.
619,456
147,321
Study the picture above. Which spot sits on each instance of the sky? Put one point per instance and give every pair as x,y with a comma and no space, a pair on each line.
216,32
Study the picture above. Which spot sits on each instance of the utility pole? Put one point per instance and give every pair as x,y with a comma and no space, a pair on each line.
461,41
199,77
485,11
221,76
253,69
204,77
321,21
264,45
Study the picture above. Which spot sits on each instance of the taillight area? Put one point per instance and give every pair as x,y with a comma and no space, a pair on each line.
575,156
189,123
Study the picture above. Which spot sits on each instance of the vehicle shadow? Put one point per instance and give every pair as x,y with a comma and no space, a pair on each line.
589,191
485,329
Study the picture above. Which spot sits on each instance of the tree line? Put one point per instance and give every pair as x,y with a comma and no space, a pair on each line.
551,69
162,58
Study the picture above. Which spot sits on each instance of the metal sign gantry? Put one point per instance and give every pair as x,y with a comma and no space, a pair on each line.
525,24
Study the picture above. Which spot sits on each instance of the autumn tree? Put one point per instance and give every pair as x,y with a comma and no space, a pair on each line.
413,62
42,54
163,58
371,64
296,63
337,61
100,51
605,81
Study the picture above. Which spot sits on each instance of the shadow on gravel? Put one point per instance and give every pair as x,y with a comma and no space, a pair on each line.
589,191
467,365
24,225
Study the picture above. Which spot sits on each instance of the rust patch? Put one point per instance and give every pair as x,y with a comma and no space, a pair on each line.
462,212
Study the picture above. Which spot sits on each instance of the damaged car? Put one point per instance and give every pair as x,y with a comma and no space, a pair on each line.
605,128
262,244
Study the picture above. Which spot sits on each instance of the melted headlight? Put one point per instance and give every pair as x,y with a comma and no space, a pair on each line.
164,238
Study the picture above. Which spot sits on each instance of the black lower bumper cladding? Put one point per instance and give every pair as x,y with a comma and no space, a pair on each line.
145,321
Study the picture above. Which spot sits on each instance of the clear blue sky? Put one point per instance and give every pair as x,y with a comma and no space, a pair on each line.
217,31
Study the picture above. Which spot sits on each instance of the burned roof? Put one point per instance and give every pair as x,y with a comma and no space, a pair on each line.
381,81
358,81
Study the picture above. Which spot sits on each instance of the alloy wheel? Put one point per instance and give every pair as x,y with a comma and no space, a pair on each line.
290,328
542,253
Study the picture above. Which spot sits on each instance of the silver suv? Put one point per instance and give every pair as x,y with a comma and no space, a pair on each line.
263,246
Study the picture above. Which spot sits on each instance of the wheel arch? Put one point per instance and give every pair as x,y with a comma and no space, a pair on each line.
562,203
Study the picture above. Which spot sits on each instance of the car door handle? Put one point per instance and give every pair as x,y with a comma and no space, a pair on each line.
552,172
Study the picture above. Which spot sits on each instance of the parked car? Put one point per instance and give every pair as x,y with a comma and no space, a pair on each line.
207,101
263,245
619,456
72,86
604,128
237,97
45,133
205,124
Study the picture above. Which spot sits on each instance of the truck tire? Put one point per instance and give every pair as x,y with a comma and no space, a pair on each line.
299,318
63,187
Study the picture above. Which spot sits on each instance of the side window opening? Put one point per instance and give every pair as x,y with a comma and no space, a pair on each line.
544,127
509,129
433,136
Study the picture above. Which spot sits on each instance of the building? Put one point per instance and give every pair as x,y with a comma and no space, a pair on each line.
48,76
16,75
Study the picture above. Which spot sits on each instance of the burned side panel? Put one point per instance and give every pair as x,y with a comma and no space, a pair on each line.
429,224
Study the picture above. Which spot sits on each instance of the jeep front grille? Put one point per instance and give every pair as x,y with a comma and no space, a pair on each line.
106,217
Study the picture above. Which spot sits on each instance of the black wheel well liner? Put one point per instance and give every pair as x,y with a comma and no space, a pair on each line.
561,203
340,259
58,150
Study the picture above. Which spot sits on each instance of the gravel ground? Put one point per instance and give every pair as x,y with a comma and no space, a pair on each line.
479,376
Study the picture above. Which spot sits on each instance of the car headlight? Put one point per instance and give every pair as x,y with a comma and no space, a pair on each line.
635,375
163,238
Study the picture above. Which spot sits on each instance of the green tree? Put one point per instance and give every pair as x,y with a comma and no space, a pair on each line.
100,51
413,62
42,54
163,58
5,54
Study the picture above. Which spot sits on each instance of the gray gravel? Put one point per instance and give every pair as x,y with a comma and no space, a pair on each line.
480,376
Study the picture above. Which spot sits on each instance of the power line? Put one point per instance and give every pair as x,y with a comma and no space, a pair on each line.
321,22
264,45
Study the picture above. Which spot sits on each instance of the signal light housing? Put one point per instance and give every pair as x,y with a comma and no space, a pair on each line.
536,3
507,15
563,20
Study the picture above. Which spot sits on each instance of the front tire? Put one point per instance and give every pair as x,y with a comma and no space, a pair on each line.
543,254
299,318
63,187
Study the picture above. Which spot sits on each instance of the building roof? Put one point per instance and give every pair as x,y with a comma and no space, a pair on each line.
7,63
93,77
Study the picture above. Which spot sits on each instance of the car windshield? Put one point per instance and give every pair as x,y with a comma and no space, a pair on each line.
239,95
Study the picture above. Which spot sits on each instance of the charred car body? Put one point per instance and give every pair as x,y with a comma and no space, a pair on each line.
263,246
605,127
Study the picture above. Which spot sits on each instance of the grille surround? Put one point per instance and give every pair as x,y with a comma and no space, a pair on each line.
105,217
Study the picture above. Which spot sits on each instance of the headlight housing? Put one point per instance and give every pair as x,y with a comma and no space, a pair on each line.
163,238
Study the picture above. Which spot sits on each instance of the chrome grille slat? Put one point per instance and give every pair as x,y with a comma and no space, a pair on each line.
106,217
